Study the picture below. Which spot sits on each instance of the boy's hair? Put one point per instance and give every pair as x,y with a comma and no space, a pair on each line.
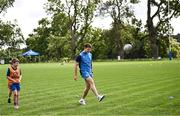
87,45
14,60
10,62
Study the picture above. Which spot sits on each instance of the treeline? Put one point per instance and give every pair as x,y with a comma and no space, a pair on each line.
70,26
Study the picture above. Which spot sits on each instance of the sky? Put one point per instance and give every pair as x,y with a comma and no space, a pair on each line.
29,12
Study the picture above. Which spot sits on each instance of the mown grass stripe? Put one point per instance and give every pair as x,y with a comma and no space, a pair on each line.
135,101
48,89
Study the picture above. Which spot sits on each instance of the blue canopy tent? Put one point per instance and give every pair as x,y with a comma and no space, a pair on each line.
30,53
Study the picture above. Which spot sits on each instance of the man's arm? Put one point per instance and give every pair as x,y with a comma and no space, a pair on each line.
75,70
91,64
78,60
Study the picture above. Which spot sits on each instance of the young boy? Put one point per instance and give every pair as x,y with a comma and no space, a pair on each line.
84,60
14,78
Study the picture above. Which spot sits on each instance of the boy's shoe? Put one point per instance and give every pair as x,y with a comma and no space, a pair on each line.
82,102
9,100
100,98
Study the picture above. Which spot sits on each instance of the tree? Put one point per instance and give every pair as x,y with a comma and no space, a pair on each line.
58,47
94,36
11,39
59,40
51,37
121,13
38,40
80,15
175,47
10,35
4,4
177,37
164,13
130,34
5,28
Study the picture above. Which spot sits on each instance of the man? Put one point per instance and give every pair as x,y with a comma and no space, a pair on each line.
14,78
84,61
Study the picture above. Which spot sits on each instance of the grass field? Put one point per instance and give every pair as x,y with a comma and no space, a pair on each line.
131,88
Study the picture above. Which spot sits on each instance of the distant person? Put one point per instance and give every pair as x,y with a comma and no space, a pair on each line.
14,78
84,61
170,55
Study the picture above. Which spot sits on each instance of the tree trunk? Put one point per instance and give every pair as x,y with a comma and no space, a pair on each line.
152,32
118,41
120,51
154,46
73,45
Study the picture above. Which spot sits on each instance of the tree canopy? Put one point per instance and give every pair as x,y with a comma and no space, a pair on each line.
69,26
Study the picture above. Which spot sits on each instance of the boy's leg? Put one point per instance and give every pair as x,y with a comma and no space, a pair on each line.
18,92
86,90
9,95
15,97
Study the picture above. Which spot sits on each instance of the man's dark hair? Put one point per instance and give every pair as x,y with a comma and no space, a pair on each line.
87,45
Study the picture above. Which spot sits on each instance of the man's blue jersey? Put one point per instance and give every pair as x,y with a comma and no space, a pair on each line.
85,63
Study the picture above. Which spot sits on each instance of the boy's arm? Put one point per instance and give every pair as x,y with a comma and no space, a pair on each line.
20,76
8,75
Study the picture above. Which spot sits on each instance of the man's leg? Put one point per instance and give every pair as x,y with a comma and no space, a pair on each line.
90,81
93,88
86,90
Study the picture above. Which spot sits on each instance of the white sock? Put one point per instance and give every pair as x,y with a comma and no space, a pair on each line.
81,99
98,96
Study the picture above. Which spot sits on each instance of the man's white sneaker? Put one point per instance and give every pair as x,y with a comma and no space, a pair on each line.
82,102
16,107
100,98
